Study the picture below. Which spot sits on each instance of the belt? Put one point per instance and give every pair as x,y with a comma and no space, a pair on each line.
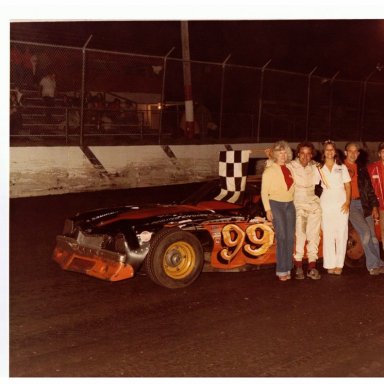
355,198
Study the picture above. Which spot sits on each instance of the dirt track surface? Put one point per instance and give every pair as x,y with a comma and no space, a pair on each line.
245,324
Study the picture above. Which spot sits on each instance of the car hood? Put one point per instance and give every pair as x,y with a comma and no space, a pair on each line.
134,213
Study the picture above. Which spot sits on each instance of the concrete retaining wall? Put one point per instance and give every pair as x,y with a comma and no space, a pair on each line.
36,171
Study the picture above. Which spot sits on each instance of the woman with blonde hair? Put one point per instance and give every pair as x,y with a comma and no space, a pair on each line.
277,190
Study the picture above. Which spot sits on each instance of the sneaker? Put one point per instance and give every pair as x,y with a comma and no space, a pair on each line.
375,271
314,274
299,274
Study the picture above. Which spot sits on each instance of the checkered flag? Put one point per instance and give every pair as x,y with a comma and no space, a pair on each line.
233,167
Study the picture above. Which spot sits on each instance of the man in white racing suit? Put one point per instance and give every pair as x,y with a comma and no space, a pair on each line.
308,210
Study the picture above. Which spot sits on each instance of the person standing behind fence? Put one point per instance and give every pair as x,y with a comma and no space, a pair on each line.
16,58
334,202
34,70
48,92
277,188
376,172
15,116
363,209
100,107
28,59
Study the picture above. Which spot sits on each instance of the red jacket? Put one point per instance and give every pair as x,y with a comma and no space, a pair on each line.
376,172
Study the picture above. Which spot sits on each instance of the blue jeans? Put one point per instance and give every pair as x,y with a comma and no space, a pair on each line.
364,226
284,221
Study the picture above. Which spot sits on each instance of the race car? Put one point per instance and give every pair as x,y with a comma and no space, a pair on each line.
174,243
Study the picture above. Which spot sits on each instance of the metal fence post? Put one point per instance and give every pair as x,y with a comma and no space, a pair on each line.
163,92
261,99
308,101
331,103
363,102
82,94
222,94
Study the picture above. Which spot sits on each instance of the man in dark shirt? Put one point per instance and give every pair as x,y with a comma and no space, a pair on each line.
363,209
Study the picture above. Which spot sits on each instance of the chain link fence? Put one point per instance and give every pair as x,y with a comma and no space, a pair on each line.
111,98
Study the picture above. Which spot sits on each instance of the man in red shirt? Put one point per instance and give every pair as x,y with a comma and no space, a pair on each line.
376,172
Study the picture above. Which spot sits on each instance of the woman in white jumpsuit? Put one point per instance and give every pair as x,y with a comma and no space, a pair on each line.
334,202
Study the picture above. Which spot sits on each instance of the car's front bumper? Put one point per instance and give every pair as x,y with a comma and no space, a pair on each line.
100,263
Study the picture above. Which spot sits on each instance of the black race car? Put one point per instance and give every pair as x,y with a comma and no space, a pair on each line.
174,243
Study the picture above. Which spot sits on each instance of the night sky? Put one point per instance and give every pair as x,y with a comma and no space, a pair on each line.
352,46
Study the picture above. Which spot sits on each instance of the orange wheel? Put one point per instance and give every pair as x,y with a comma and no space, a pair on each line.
354,257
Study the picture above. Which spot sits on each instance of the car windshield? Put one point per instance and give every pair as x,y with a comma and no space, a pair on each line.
206,192
209,190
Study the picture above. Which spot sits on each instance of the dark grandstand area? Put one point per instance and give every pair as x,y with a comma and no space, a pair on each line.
259,82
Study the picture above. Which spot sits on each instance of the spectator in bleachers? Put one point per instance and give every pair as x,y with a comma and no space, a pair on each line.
75,99
99,100
115,110
123,113
72,113
29,65
203,117
130,111
16,65
15,116
19,96
88,98
48,93
90,115
204,126
35,69
106,123
133,113
123,118
99,106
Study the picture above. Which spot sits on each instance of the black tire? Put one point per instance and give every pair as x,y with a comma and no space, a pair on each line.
354,257
175,258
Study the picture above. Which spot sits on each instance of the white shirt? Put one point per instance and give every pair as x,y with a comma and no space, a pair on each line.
48,86
335,178
305,180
